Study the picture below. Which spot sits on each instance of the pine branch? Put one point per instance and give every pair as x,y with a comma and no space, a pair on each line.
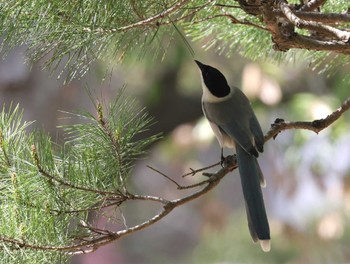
325,18
100,237
54,30
285,37
107,236
312,5
311,25
40,188
63,182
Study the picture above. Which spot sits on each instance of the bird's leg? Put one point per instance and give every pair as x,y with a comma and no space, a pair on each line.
222,157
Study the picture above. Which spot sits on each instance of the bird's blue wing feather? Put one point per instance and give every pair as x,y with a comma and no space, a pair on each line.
235,117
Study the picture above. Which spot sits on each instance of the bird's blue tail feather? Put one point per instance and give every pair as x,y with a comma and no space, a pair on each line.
251,178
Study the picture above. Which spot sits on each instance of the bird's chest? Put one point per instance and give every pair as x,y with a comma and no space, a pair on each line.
224,139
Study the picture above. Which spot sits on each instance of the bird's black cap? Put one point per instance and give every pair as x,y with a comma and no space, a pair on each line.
214,80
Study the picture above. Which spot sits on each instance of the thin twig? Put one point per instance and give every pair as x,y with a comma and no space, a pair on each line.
148,21
194,172
194,10
2,148
316,125
198,184
89,209
96,230
74,186
164,175
147,198
232,18
66,183
227,6
114,141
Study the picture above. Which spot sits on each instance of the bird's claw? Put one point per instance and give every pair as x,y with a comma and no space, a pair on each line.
222,161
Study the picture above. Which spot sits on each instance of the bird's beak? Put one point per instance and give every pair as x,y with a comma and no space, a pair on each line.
200,65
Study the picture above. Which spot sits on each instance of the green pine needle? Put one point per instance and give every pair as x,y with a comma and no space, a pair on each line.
46,189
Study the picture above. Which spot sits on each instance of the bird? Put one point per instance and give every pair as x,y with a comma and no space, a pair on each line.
235,126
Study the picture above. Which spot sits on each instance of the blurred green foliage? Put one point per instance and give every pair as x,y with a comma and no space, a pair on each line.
77,33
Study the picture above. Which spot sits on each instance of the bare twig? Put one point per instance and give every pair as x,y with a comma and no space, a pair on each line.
93,229
147,198
233,19
316,125
164,175
194,172
198,184
145,22
227,6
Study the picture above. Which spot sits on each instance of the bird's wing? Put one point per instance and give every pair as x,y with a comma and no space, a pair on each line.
235,117
255,128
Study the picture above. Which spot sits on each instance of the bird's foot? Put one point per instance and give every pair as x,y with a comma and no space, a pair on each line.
230,162
222,161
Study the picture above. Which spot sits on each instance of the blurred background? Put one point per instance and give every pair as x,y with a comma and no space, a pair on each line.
307,195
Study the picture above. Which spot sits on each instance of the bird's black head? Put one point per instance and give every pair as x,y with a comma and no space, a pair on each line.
214,80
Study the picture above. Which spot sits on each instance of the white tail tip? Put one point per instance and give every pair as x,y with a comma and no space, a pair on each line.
265,245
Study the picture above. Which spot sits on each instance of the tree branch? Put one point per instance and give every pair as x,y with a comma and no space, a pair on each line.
113,140
312,5
3,150
194,172
311,25
143,23
108,237
316,125
325,18
278,17
233,19
285,37
63,182
103,237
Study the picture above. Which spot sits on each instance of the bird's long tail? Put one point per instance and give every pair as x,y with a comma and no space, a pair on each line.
251,178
